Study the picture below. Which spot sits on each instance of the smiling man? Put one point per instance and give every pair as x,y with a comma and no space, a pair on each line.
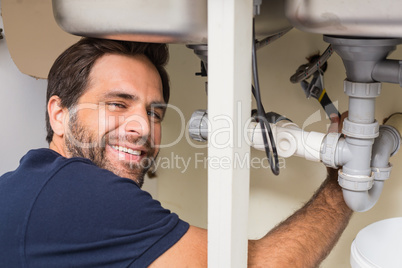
79,203
116,121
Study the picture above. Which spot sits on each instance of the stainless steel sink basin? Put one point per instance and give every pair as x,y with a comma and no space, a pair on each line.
168,21
366,18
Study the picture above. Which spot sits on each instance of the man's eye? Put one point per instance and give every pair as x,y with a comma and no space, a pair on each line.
114,105
155,115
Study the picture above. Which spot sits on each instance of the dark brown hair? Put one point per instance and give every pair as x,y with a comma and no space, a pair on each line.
69,76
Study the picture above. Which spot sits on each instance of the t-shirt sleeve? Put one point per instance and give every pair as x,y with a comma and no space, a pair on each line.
88,217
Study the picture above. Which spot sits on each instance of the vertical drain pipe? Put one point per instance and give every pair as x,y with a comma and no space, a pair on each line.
360,56
360,129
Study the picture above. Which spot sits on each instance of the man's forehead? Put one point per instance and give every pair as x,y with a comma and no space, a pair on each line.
125,74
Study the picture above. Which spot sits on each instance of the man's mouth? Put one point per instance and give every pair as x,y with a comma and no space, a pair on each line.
126,150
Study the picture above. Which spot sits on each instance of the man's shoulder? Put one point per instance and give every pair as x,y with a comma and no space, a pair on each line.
40,166
47,162
44,156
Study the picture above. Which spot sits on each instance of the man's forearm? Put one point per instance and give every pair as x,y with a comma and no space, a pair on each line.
306,237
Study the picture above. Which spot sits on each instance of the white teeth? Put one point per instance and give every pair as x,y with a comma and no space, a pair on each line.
126,150
130,151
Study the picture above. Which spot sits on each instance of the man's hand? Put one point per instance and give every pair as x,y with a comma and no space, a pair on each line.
336,122
335,126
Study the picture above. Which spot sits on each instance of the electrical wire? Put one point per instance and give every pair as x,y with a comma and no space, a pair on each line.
265,126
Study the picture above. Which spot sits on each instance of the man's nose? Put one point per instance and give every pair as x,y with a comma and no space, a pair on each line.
138,124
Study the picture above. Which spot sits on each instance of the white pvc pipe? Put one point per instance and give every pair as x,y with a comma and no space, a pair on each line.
292,141
289,139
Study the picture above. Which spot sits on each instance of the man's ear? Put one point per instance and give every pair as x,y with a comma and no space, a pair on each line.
57,115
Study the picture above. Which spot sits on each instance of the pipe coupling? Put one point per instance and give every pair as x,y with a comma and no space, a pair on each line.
355,182
360,130
328,149
362,90
198,126
382,174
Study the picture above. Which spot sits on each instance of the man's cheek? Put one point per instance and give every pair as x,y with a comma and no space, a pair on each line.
156,137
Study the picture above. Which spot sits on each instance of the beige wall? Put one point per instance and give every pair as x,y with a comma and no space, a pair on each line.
272,198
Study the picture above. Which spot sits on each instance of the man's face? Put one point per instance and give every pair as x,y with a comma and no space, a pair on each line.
117,121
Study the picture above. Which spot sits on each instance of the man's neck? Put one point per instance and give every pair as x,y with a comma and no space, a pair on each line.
57,146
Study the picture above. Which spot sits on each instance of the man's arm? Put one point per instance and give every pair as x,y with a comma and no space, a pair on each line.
306,237
189,251
302,240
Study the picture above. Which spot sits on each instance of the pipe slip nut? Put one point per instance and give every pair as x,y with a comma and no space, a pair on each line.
328,149
198,126
360,130
355,182
362,90
382,174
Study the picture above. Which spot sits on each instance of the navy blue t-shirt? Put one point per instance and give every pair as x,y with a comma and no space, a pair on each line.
59,212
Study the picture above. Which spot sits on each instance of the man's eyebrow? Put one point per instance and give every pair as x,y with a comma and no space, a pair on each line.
159,105
122,95
118,94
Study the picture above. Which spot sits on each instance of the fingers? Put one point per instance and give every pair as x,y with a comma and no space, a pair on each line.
334,126
343,116
336,122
